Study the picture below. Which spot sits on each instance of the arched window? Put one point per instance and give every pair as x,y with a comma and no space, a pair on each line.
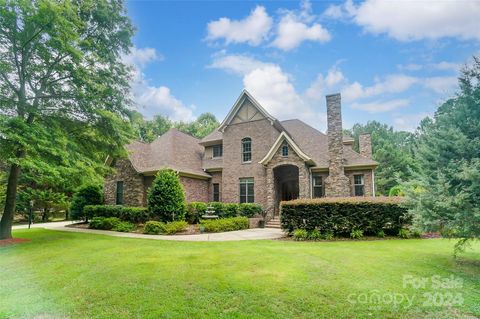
247,149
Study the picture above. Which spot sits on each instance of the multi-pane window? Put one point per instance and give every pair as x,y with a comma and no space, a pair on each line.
246,190
247,149
119,195
216,192
359,185
217,150
317,182
285,149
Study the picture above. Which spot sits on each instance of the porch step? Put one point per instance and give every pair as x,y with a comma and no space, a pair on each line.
273,223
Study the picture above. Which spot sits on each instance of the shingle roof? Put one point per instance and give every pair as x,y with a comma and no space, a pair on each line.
215,136
174,149
315,144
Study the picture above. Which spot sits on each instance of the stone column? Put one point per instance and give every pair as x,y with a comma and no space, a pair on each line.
336,184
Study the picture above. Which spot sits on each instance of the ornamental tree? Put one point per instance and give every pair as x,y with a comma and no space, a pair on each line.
85,195
166,198
63,88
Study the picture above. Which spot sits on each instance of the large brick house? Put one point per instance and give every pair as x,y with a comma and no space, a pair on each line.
251,157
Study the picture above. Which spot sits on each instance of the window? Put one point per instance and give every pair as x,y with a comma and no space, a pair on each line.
119,197
359,185
247,150
246,190
216,192
317,182
217,151
285,149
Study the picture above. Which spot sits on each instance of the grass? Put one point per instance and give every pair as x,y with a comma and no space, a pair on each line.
61,274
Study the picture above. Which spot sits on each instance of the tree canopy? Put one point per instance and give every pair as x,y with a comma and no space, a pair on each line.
64,89
391,149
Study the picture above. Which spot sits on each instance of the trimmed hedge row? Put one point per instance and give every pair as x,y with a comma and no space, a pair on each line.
225,224
341,216
111,223
195,210
154,227
129,214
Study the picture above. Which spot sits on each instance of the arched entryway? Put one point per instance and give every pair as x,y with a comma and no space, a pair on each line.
286,183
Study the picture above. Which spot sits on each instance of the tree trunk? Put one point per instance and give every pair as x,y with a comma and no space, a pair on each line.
9,210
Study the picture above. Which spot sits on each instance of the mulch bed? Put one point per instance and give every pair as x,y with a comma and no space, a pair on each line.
12,241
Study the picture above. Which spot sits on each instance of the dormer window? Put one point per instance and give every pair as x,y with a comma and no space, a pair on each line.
285,149
217,151
247,150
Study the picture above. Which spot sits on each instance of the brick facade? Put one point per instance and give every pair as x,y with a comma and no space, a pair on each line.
133,188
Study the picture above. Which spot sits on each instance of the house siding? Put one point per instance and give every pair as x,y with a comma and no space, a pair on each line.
196,190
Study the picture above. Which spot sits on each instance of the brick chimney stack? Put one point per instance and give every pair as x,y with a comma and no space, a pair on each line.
336,184
365,145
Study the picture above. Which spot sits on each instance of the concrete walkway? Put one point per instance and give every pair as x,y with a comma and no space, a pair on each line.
247,234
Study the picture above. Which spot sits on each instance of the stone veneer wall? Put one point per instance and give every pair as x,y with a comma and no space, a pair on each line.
133,189
336,184
263,135
367,181
365,145
303,177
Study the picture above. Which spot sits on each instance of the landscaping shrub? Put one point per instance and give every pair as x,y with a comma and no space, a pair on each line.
381,234
124,227
166,198
230,210
328,235
416,233
343,215
154,228
175,227
356,234
314,235
404,233
300,234
105,223
195,211
85,195
130,214
225,224
249,209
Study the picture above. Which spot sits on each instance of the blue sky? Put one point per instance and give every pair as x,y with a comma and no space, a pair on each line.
392,61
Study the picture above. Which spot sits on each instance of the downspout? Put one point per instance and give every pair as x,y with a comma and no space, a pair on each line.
373,182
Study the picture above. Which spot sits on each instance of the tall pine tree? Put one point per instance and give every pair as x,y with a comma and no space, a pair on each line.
445,193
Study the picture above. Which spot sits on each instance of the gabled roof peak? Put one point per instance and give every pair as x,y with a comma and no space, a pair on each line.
244,95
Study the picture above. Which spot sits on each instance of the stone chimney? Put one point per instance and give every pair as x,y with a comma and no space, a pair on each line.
336,184
365,145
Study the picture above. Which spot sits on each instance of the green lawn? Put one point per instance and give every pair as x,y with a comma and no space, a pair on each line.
61,274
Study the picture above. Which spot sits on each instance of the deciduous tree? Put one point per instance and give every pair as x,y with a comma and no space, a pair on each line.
63,88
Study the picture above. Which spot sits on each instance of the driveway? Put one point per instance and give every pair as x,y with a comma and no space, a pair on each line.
247,234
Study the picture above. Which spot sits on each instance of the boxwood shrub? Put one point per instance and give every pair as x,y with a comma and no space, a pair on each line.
341,216
111,223
129,214
155,228
195,210
225,224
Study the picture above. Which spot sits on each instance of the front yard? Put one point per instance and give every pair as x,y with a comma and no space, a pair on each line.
60,274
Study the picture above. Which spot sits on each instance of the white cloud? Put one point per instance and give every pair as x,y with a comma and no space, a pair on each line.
236,63
252,30
417,20
325,85
153,100
377,107
395,83
272,87
447,66
141,57
295,28
409,122
441,84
